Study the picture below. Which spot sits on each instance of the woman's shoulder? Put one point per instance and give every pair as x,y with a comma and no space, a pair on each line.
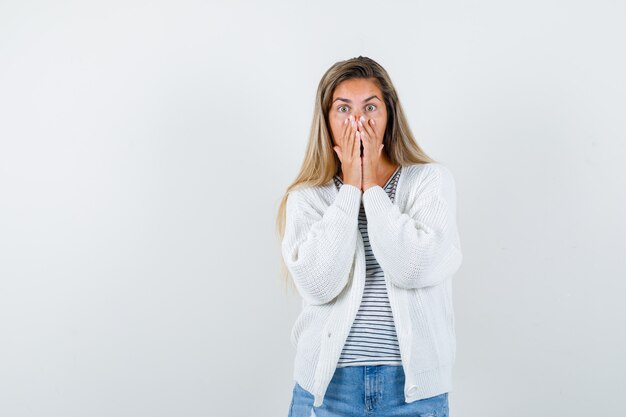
426,169
430,175
313,194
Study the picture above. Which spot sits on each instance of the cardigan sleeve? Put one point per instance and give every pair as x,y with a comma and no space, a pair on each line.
420,247
319,245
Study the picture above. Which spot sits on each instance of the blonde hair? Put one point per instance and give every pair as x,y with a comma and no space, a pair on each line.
321,162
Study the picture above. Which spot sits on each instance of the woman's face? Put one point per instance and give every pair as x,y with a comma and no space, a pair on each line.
357,97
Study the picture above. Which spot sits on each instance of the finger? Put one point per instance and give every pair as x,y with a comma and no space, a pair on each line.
367,142
340,140
365,126
365,135
344,128
356,145
366,148
352,138
371,123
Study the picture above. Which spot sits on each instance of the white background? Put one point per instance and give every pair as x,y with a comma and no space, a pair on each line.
144,147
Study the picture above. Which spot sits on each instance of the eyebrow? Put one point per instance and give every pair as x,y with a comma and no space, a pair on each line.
350,101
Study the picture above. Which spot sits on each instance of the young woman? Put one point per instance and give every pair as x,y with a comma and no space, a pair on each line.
370,240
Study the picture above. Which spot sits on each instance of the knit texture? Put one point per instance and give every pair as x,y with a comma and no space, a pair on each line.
414,239
372,339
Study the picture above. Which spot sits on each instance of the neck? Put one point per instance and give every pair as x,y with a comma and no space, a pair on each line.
385,168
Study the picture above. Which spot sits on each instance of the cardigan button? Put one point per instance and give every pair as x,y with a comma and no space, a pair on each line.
412,391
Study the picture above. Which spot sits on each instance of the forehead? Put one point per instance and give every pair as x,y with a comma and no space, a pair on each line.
357,88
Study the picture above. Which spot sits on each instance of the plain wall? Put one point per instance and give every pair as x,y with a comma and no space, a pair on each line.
144,148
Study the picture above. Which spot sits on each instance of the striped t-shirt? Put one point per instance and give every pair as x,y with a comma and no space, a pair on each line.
372,339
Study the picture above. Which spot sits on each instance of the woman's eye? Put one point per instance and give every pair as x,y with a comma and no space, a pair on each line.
369,106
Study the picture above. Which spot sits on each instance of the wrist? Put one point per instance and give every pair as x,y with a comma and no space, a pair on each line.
368,185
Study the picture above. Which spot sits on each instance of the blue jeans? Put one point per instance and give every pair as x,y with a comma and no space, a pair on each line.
367,391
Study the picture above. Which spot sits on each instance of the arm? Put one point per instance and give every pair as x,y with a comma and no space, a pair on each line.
418,248
318,248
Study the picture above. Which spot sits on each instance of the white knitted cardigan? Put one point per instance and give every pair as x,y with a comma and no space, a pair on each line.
416,242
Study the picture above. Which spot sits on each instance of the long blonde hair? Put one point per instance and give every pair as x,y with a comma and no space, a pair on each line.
321,162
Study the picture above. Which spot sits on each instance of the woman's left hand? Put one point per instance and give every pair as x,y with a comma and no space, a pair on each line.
372,141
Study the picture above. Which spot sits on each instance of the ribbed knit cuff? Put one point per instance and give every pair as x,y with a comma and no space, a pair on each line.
376,201
349,199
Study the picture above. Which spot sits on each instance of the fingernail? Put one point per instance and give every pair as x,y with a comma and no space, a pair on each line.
345,122
360,123
362,118
373,121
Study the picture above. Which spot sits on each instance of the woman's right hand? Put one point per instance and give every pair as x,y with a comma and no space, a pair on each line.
349,153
